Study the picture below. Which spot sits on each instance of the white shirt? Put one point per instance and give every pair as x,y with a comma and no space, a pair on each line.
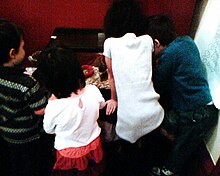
72,125
139,111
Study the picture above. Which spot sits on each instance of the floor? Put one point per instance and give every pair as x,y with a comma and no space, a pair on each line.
127,159
123,158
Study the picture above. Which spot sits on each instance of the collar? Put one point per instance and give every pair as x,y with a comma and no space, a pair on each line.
129,35
12,70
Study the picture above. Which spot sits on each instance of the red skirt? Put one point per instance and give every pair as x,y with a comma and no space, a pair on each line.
79,157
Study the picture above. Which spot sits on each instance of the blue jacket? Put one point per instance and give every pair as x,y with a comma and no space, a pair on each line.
180,78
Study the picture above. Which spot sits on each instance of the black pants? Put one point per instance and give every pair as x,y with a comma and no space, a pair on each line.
190,129
31,159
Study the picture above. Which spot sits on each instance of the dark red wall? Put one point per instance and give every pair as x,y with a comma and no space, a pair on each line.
38,18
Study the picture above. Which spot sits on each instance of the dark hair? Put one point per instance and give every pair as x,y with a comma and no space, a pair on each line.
60,71
10,37
124,16
162,28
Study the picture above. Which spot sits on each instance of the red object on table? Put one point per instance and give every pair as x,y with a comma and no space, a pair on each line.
88,70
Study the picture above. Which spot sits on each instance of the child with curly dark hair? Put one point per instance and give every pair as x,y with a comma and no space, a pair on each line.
128,56
71,113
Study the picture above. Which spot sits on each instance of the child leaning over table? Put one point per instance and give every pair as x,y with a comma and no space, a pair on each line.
21,100
128,57
180,80
71,113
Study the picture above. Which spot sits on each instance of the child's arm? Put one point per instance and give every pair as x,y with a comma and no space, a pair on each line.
48,122
37,98
42,110
102,104
112,103
49,126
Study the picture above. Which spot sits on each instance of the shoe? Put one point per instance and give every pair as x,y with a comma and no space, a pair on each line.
157,171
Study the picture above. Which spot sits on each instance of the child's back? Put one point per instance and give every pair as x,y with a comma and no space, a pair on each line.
75,118
139,111
72,113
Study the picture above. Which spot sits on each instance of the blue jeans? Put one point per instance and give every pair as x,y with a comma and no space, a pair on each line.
189,130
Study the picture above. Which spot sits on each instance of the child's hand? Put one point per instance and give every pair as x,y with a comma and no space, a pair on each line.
111,106
39,112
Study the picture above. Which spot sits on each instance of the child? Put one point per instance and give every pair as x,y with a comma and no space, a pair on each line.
21,100
71,113
180,80
128,58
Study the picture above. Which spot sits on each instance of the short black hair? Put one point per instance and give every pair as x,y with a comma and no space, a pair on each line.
10,37
60,72
162,28
124,16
